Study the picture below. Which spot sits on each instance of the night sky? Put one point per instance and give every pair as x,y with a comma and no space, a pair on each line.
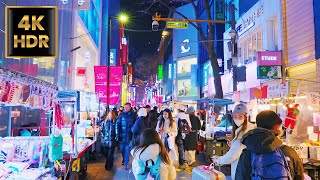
142,40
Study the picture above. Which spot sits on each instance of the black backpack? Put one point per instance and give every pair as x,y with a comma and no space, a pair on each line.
184,126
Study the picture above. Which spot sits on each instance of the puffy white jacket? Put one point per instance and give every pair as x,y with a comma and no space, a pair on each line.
167,172
235,151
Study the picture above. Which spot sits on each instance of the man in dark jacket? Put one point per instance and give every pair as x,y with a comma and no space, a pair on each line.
264,139
125,121
192,138
139,126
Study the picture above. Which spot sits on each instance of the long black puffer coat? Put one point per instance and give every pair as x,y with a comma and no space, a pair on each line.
125,122
108,133
192,138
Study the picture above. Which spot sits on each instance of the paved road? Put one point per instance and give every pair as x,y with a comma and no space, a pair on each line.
96,171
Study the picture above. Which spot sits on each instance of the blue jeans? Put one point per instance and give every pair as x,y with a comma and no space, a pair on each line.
125,150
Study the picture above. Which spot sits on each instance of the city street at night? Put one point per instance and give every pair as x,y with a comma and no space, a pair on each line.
159,89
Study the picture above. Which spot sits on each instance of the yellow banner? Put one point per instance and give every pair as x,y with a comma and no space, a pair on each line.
124,93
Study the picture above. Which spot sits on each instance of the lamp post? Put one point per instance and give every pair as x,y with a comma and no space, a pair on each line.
122,18
234,55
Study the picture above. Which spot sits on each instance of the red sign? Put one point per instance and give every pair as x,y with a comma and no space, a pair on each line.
269,58
81,71
14,67
124,51
30,69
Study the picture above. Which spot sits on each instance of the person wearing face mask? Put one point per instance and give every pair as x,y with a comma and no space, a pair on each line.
263,141
240,126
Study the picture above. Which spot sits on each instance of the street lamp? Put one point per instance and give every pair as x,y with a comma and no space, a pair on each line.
233,33
122,18
234,55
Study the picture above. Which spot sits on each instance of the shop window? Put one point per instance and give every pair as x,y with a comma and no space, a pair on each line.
259,40
275,33
240,51
254,47
245,50
250,53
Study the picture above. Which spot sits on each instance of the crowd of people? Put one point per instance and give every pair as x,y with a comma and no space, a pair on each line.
147,134
160,143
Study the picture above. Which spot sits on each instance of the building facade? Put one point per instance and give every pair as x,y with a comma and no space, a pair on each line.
258,30
185,57
302,44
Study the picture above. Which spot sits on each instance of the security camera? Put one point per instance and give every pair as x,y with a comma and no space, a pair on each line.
155,25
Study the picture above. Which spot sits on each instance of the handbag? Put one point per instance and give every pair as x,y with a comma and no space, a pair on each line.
166,143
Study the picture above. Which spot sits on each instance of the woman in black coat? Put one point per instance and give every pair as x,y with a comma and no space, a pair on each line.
192,138
108,139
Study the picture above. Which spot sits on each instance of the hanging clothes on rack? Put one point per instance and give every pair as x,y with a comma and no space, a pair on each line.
59,116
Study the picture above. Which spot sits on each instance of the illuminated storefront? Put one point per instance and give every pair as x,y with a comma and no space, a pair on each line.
86,57
185,59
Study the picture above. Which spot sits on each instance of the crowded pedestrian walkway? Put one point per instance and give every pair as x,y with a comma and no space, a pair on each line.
96,170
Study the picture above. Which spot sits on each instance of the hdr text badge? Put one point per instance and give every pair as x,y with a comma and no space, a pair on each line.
31,31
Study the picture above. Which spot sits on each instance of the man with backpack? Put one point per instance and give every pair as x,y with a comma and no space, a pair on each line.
265,156
184,127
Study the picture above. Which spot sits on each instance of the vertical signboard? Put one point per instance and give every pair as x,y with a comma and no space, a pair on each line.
124,94
115,83
160,72
219,9
113,57
100,77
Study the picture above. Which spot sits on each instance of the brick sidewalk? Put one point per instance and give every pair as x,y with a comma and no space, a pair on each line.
96,171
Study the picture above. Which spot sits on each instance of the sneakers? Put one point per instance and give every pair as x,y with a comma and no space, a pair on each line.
190,163
184,166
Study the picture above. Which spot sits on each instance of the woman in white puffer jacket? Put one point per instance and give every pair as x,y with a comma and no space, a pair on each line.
240,127
150,151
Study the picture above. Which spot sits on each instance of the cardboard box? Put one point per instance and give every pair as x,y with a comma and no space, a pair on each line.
302,151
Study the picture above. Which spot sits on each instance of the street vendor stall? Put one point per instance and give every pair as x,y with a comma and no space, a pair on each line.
214,137
27,155
300,112
79,130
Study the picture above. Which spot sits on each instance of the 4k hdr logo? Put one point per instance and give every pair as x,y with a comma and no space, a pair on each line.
31,31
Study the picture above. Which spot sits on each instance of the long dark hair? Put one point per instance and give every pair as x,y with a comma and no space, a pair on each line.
235,127
170,118
150,136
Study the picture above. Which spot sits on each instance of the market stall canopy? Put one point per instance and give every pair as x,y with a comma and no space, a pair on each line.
85,101
216,101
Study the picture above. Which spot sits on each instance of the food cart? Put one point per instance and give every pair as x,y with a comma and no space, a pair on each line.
213,137
80,128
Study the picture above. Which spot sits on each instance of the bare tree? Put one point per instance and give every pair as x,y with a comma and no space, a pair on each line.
206,41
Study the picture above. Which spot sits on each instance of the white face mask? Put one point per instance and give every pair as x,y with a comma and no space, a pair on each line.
238,122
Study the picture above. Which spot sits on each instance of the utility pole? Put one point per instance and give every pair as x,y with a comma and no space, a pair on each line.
234,54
